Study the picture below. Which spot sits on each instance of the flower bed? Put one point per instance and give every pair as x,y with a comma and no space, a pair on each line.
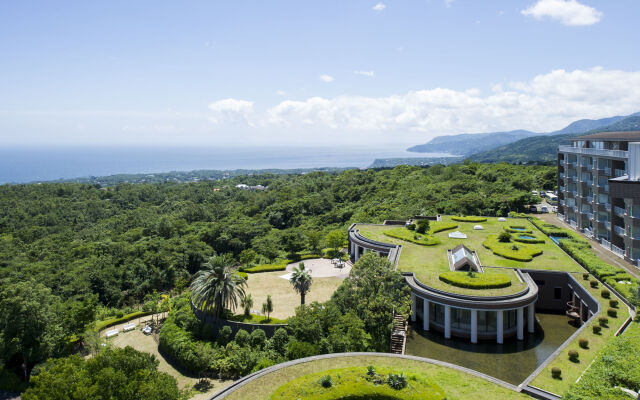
356,383
486,280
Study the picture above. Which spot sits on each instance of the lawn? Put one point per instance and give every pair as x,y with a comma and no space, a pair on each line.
456,384
285,299
571,371
428,262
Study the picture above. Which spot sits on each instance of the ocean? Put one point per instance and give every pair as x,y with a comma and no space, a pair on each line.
28,164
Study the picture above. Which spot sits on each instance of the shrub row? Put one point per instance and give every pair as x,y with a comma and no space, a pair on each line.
525,240
469,219
439,226
511,229
278,266
506,250
484,280
409,236
550,229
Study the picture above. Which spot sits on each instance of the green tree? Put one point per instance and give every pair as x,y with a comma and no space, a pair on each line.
118,374
30,328
267,307
247,257
217,287
247,303
335,239
301,280
422,226
373,291
293,242
314,241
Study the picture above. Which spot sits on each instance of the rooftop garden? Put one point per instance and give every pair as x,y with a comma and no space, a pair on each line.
306,381
429,261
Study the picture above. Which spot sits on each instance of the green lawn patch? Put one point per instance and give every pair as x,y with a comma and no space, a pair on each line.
411,236
468,219
277,266
485,280
439,226
355,383
256,319
512,251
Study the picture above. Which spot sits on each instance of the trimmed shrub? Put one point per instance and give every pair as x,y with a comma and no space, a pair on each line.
556,373
613,303
605,293
279,266
485,280
524,252
584,343
326,381
593,283
258,338
411,227
574,356
469,219
397,381
504,237
242,337
596,329
612,312
422,226
409,236
585,276
371,370
603,321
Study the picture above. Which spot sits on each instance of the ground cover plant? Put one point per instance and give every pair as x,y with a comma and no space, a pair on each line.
474,280
455,384
384,383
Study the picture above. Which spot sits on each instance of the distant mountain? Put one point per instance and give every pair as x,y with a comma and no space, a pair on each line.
544,147
468,143
471,143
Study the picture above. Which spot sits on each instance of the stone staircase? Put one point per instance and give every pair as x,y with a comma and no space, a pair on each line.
398,334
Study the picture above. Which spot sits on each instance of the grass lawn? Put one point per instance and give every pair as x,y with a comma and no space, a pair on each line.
285,299
147,344
428,262
456,385
571,371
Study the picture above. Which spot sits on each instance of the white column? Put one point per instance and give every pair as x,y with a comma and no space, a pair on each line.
499,327
425,314
353,249
474,326
520,322
447,322
413,307
532,320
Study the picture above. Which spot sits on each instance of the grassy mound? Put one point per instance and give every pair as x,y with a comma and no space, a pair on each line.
469,219
411,236
439,226
486,280
355,383
511,251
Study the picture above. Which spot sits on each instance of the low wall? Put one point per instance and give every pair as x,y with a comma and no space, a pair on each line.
394,222
235,326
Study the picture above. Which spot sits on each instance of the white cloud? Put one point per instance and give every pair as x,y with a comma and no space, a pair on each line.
379,7
568,12
326,78
448,3
231,110
543,103
370,74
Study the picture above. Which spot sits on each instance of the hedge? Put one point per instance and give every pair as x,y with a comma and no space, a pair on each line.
582,253
354,383
524,253
469,219
279,266
242,275
407,235
439,226
100,325
486,280
512,229
525,240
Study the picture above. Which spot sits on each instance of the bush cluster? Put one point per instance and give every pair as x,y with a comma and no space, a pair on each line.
584,343
596,329
410,236
278,266
556,373
612,312
605,293
574,356
484,280
505,250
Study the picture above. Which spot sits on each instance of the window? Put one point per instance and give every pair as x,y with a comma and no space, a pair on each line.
557,293
539,282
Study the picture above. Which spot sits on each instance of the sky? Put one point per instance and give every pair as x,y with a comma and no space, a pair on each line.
309,73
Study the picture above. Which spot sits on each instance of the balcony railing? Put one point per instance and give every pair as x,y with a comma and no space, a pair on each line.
620,212
603,186
607,206
619,172
619,230
605,243
589,199
574,178
606,170
561,175
588,181
595,152
573,224
617,250
560,216
606,224
573,164
588,165
560,188
589,215
588,232
562,202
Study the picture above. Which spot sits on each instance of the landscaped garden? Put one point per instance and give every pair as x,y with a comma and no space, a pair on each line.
430,261
347,374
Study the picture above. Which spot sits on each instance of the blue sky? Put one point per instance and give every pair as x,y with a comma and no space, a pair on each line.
309,72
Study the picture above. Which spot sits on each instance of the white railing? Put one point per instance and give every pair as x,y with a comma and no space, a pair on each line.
605,243
617,250
607,170
620,212
588,232
573,224
595,152
619,172
619,230
589,216
560,216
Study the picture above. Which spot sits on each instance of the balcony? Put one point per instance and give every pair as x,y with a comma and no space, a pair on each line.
607,206
587,165
574,193
588,232
619,172
560,188
589,199
617,250
560,216
618,230
589,215
573,164
604,187
619,211
587,181
606,224
606,170
594,152
573,224
562,202
574,178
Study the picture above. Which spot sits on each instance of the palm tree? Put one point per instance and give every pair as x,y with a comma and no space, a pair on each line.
247,303
267,307
301,280
217,286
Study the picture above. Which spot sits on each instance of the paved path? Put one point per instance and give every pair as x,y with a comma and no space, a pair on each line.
322,268
604,254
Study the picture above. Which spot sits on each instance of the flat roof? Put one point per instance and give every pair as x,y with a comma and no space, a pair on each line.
624,136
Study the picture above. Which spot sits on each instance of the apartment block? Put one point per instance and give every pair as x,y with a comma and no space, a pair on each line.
599,190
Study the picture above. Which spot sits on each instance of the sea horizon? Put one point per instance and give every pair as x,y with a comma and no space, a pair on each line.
26,164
